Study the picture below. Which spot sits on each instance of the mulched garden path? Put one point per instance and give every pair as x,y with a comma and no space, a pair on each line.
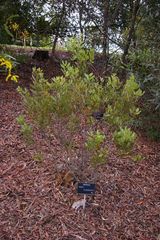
126,205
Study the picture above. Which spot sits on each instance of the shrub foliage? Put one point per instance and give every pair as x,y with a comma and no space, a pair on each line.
77,93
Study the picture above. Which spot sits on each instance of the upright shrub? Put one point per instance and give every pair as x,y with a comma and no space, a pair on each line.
122,100
145,64
74,94
94,144
124,138
81,55
39,101
67,97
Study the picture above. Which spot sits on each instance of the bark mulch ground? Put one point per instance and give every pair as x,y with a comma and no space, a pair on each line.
33,207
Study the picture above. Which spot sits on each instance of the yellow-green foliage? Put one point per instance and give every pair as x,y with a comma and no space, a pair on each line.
124,138
38,157
122,100
137,158
78,92
7,64
65,96
95,146
81,55
94,141
74,94
26,129
39,101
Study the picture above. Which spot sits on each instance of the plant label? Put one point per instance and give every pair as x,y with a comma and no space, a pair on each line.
86,188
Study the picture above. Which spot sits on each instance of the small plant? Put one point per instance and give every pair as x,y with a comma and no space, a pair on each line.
121,101
137,158
94,145
26,129
94,141
67,98
124,139
75,94
39,101
81,55
38,157
99,157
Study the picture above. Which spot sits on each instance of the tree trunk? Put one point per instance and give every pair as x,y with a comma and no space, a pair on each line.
58,28
80,4
131,31
105,43
135,7
55,42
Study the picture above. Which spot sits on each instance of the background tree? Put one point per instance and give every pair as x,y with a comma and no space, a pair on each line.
7,9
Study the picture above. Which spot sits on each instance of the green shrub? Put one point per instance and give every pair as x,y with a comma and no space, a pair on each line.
39,101
145,64
74,94
121,101
94,144
94,141
124,139
100,157
66,98
77,94
81,55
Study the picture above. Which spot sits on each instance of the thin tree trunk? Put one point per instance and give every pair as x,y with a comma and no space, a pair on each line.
131,30
105,33
55,42
58,28
80,17
135,7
